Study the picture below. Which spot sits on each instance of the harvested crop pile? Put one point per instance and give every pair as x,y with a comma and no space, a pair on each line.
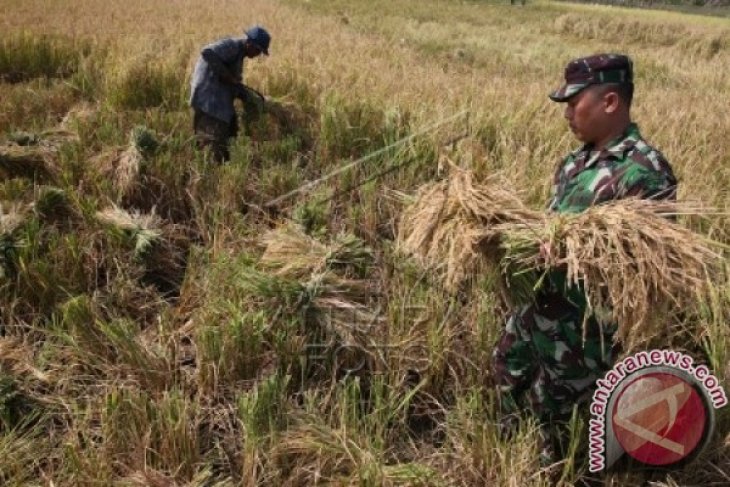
123,165
33,155
12,216
161,248
451,223
331,281
627,256
293,253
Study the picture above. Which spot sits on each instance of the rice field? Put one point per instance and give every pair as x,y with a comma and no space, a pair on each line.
167,322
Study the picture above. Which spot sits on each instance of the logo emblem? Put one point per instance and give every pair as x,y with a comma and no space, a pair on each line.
660,418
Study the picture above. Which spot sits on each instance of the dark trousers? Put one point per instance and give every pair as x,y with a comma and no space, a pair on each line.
214,134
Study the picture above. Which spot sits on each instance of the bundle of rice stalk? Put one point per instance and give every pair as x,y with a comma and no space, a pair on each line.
290,252
123,165
451,223
34,161
630,260
126,169
341,303
349,252
17,359
12,216
161,248
53,204
31,155
54,138
143,230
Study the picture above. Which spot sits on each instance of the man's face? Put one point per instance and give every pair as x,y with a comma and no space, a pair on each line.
586,114
252,50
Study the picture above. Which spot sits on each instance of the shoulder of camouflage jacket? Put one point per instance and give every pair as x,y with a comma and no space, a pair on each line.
629,168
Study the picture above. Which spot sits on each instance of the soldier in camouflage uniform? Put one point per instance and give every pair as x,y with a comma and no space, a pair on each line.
542,360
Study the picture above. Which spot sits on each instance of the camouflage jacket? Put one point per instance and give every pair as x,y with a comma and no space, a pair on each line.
627,166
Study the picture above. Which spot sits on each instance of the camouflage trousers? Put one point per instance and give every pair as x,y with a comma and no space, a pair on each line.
214,135
544,363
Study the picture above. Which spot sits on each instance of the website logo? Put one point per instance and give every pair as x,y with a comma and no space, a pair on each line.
657,407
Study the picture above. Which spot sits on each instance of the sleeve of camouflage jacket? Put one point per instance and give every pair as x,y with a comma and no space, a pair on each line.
614,179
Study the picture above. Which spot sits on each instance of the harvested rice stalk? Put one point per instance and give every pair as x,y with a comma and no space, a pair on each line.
451,223
294,254
53,204
12,216
161,248
349,252
127,169
634,264
34,162
123,165
629,259
33,155
120,165
142,230
338,305
16,359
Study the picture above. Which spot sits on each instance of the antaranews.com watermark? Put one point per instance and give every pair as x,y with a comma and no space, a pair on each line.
656,406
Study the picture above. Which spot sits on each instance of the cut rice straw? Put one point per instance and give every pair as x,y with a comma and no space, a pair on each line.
343,303
630,259
627,256
451,223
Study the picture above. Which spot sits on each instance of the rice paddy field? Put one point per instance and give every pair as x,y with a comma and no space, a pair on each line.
163,323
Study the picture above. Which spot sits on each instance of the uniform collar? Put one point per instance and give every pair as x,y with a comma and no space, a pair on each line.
615,149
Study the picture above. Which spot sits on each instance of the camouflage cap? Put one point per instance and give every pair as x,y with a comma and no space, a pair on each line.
593,70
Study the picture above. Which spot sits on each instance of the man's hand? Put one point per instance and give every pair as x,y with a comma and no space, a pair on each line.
239,91
253,102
